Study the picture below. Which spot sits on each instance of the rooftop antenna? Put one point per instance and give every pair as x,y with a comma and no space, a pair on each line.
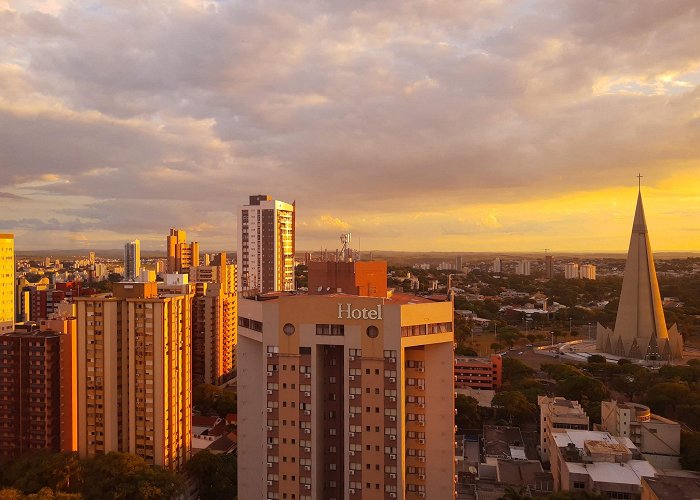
345,240
639,180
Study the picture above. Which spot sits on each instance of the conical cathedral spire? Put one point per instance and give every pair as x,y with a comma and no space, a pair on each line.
640,328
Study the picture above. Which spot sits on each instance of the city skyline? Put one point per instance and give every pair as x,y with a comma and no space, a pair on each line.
501,126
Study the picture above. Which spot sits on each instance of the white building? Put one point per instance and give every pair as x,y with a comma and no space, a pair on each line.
132,260
522,267
266,245
496,268
587,272
571,271
558,414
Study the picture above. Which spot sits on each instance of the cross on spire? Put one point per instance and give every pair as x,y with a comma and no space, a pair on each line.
639,179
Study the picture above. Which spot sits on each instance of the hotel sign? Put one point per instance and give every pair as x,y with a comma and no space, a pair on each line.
346,311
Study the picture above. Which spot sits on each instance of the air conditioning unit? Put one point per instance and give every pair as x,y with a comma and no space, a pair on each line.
269,483
421,423
352,453
392,457
307,412
269,354
307,394
307,486
392,380
421,494
392,418
421,405
392,475
307,375
352,358
421,459
421,441
352,491
269,465
421,476
269,374
269,392
269,428
421,369
352,434
393,399
307,450
269,410
392,437
352,472
393,495
307,467
307,431
352,396
351,377
269,446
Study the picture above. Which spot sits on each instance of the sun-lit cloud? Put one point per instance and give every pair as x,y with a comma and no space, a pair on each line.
417,125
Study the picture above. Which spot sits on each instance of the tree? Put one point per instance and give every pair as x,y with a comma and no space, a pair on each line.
515,370
468,415
515,405
495,347
129,477
33,471
215,474
624,361
463,350
597,358
512,494
690,450
663,398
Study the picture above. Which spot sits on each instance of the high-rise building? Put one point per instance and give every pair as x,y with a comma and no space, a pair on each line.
496,268
132,260
571,271
37,389
640,328
587,271
549,267
522,267
134,372
181,255
266,245
214,323
357,399
7,283
91,258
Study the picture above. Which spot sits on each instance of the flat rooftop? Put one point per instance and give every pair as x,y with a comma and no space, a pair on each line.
607,472
579,438
678,488
393,298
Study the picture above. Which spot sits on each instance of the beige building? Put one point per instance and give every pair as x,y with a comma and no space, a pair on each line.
658,438
266,245
7,283
133,372
592,461
215,322
587,271
181,255
357,400
640,328
571,271
558,414
132,260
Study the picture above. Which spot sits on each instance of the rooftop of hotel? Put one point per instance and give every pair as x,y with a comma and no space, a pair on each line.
392,298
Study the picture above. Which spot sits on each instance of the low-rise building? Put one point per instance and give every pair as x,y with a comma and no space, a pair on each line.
658,438
479,373
674,487
558,414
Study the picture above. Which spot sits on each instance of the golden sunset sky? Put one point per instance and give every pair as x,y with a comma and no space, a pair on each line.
498,126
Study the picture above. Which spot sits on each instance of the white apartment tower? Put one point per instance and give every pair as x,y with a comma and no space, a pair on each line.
7,283
132,260
266,245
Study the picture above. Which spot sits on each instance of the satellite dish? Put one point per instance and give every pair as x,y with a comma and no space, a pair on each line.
472,469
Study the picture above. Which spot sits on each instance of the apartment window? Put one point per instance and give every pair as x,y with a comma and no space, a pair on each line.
579,485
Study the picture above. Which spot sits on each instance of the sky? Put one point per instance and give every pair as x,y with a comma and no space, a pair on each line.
512,125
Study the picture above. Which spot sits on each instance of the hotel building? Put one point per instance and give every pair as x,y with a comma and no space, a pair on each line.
134,372
357,399
7,283
265,245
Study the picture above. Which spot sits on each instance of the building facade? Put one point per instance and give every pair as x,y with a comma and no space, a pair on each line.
181,255
7,283
266,245
358,398
587,271
36,389
558,414
132,260
571,271
134,373
523,267
478,373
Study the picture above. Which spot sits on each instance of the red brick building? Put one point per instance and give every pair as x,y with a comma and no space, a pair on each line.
479,373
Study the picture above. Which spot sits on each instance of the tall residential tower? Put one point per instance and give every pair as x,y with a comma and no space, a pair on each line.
266,245
181,255
7,283
132,260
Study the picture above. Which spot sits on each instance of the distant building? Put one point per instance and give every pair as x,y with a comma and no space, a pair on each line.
589,461
356,278
558,414
571,271
658,438
265,250
640,328
496,268
7,283
522,267
132,260
91,258
671,487
587,271
479,373
181,255
549,267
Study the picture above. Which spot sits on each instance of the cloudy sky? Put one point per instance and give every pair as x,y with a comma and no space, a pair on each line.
418,125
